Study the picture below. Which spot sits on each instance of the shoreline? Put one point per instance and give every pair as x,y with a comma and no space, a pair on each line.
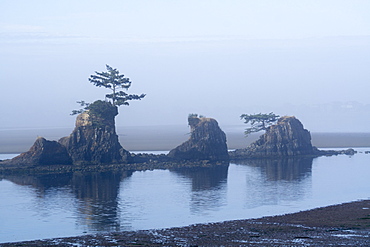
158,138
341,224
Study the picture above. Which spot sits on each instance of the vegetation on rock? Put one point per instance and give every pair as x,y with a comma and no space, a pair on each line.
286,138
94,141
114,81
258,122
195,115
102,113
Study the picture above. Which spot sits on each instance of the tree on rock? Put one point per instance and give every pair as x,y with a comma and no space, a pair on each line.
259,121
114,81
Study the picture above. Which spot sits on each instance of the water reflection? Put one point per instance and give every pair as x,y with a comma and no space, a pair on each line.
60,205
288,169
98,199
96,194
279,180
208,186
42,183
110,201
204,178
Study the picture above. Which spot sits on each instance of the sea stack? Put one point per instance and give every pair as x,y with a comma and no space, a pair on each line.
94,139
286,138
207,142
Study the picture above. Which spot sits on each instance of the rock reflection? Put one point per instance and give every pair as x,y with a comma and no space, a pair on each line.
42,183
208,185
274,181
98,197
204,178
96,194
288,169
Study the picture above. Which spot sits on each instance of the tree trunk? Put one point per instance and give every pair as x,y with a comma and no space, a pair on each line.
114,95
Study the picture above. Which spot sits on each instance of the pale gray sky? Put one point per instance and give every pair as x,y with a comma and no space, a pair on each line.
308,58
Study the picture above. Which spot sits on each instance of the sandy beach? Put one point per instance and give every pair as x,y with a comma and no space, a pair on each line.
344,224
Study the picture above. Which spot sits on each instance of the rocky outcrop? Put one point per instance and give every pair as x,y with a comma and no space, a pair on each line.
93,142
207,142
349,151
43,153
94,139
286,138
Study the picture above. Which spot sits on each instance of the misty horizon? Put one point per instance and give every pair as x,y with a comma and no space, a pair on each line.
219,59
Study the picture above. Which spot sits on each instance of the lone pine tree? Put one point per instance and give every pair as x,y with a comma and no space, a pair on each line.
258,122
114,81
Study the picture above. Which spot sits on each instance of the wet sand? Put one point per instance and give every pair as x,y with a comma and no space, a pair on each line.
344,224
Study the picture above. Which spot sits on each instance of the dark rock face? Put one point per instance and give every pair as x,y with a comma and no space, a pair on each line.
207,142
43,152
94,139
93,142
286,138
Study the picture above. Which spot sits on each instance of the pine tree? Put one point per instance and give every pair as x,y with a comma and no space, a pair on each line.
114,81
259,121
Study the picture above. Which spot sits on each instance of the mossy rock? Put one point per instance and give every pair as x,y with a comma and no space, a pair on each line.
102,113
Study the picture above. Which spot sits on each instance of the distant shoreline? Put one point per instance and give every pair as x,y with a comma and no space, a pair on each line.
160,138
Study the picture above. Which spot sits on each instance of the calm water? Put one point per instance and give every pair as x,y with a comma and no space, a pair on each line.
34,207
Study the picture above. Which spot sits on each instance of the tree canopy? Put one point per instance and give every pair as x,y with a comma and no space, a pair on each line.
114,81
258,122
85,106
195,115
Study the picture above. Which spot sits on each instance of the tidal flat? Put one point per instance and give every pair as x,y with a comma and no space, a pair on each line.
344,224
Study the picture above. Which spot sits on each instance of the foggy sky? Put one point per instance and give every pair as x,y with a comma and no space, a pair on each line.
308,58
